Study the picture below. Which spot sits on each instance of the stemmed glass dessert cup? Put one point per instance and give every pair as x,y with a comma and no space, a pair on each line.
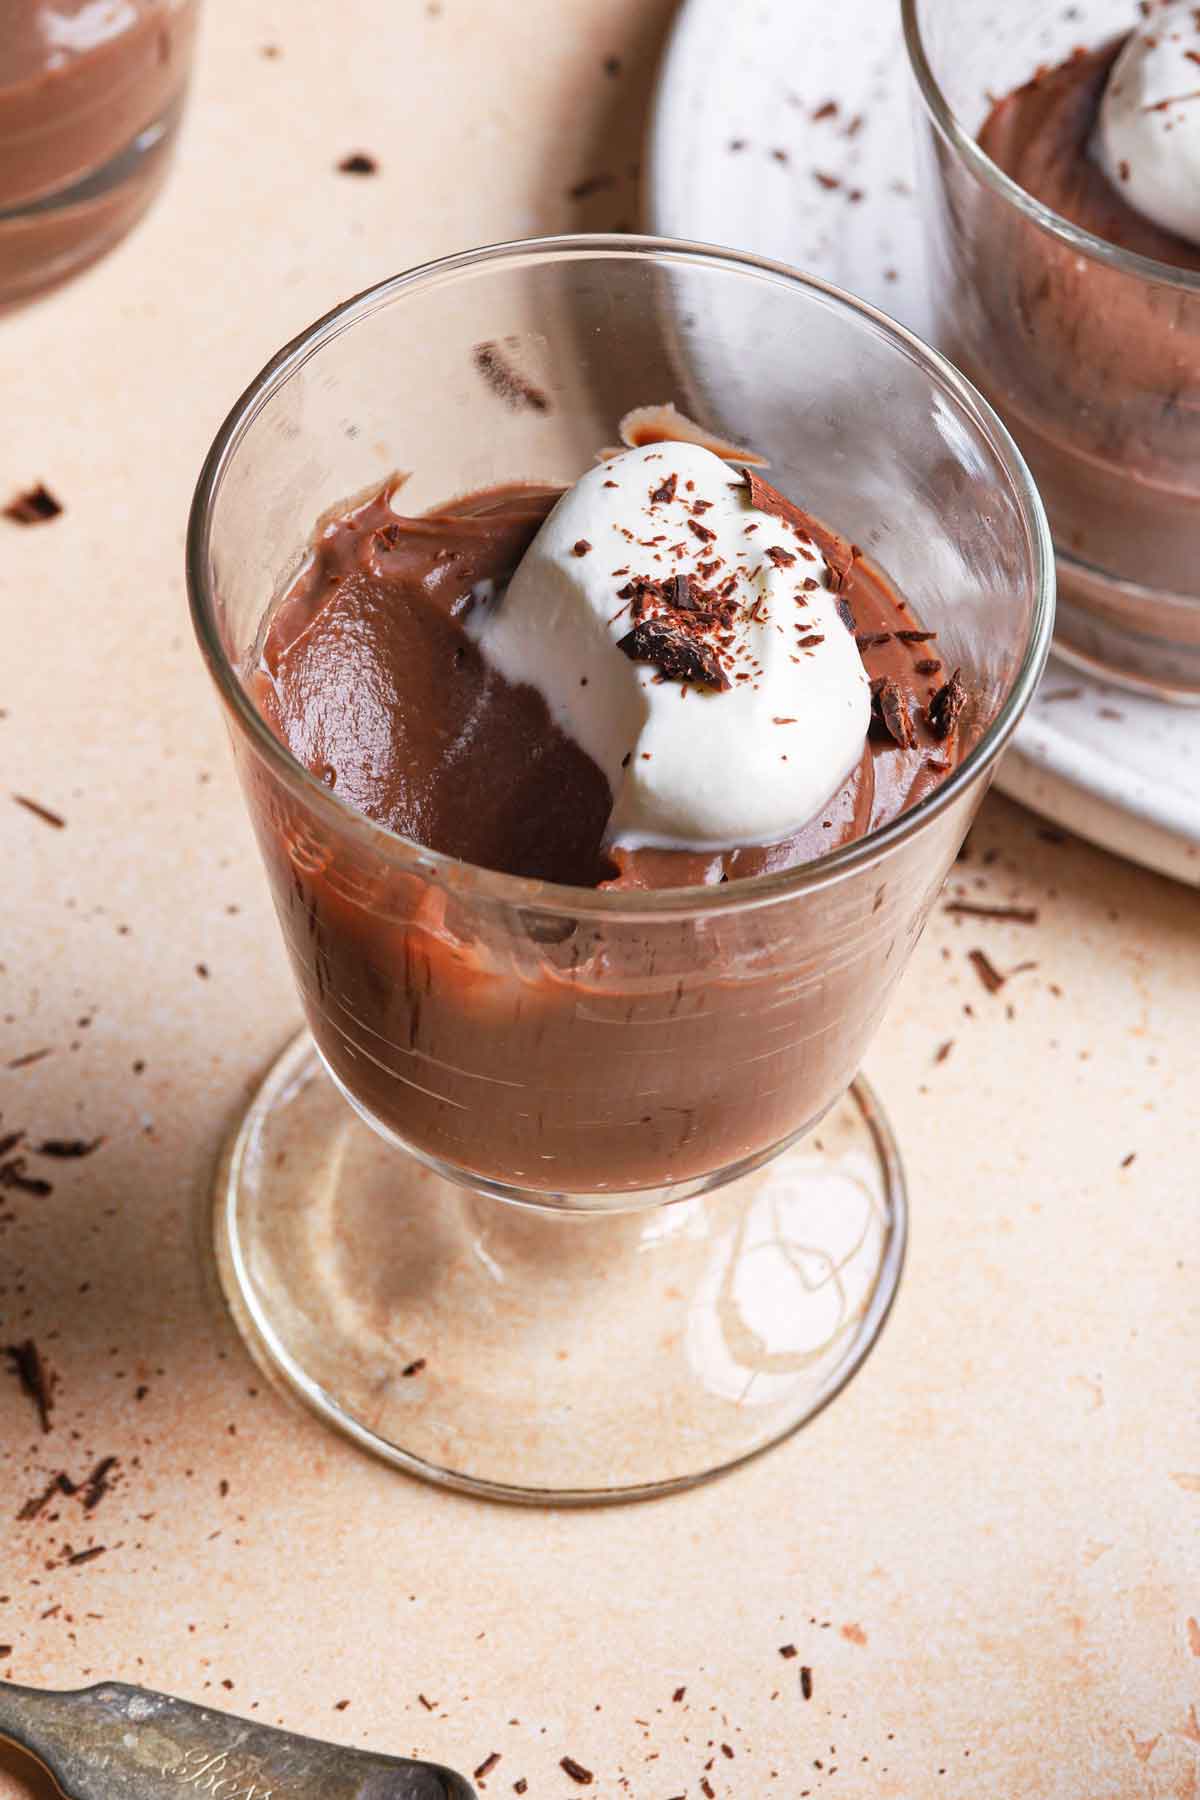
570,1194
1090,353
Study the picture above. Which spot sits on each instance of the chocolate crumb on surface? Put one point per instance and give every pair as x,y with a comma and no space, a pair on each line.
486,1766
580,547
943,1050
413,1368
986,970
429,1705
29,1057
34,1378
1127,1160
827,181
1011,915
45,813
507,382
66,1149
77,1557
788,1651
576,1771
36,506
358,163
520,1786
665,491
13,1177
340,1705
677,1696
825,111
98,1483
806,1682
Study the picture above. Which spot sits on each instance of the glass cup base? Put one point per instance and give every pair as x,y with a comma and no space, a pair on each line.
546,1356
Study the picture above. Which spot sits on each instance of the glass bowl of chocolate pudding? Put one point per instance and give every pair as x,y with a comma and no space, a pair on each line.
91,93
1062,214
616,637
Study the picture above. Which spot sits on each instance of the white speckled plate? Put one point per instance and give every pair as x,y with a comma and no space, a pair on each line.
744,150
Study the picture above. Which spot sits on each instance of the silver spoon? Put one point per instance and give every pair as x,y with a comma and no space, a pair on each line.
114,1742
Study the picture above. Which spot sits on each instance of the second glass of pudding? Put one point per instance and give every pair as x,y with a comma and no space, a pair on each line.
1073,312
570,1192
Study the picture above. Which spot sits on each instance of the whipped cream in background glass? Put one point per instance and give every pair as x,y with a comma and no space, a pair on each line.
1147,137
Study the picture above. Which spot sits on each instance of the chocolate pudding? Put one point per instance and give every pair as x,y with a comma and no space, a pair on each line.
530,1046
90,97
1095,368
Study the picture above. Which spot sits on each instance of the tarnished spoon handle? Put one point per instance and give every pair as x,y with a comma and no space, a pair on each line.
114,1742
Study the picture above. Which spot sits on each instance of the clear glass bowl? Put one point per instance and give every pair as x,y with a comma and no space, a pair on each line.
1090,354
90,100
487,1286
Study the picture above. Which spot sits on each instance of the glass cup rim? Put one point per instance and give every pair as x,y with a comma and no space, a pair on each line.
591,903
991,175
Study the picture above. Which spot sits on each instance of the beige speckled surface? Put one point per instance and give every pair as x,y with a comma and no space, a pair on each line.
988,1550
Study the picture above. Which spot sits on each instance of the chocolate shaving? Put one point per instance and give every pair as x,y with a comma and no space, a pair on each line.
1128,1161
576,1771
679,594
867,640
359,163
916,637
580,547
86,1556
788,1651
44,813
986,970
413,1368
943,1051
36,1381
703,532
783,559
946,707
1014,915
660,495
30,1056
806,1682
13,1176
520,1786
36,506
677,1696
486,1766
838,552
61,1484
98,1483
928,666
507,382
825,111
675,654
828,182
67,1148
890,708
429,1705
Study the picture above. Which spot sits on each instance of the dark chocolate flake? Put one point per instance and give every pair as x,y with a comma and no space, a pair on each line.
783,559
66,1149
946,707
36,506
413,1368
986,970
703,532
665,492
486,1766
806,1682
86,1556
580,547
35,1380
916,637
45,813
892,710
358,163
1011,915
788,1651
13,1177
576,1771
676,655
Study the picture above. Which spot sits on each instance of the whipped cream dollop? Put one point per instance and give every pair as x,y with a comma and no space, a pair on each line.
1147,137
690,642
